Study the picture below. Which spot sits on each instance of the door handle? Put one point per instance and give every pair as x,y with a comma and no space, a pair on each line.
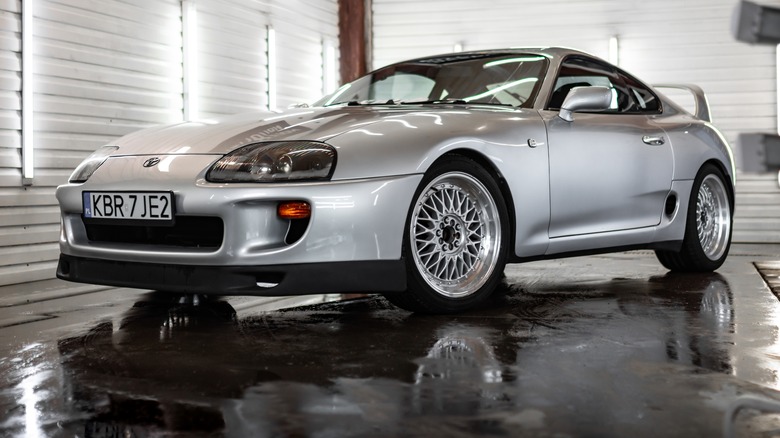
653,140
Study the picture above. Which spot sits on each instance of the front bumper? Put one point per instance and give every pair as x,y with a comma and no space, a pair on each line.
352,222
278,280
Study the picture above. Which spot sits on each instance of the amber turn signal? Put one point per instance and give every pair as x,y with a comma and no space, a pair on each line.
294,210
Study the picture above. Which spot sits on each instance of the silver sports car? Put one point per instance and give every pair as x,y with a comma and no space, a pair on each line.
420,181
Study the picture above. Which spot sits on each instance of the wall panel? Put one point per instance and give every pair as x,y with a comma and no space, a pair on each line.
102,69
231,56
301,27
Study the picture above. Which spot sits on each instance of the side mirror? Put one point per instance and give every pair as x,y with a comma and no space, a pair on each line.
585,99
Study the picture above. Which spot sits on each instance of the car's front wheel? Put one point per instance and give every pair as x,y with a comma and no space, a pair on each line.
455,239
708,226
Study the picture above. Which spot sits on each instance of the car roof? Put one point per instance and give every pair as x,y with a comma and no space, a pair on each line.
549,52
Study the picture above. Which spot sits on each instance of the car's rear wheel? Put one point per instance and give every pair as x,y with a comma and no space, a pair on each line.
708,226
455,239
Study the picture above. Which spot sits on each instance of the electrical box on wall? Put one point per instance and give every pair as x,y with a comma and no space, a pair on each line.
759,152
755,23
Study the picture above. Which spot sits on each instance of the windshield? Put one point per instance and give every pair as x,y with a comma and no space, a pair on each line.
496,79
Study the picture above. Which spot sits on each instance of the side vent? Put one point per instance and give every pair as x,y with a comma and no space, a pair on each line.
671,205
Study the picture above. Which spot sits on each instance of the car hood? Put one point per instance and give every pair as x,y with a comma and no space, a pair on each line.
223,135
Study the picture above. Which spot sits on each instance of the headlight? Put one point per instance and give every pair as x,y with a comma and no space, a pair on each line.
280,161
91,164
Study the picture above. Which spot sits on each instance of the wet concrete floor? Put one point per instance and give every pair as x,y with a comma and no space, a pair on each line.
595,346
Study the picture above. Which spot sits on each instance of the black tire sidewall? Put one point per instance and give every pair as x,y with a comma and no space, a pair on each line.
696,259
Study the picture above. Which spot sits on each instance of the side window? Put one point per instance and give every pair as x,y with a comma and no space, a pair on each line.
645,102
582,72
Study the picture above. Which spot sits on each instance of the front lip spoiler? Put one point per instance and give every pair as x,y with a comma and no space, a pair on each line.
372,276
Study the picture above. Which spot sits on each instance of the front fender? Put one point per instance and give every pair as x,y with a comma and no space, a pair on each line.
513,141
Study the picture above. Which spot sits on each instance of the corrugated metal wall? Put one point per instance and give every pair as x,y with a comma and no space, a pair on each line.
233,52
660,41
231,36
16,215
301,27
757,215
104,68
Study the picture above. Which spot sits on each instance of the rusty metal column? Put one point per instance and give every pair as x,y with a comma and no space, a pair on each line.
353,39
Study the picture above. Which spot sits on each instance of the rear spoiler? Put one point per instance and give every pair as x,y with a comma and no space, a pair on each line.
702,110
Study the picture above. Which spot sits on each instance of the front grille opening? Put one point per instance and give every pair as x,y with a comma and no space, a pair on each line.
187,231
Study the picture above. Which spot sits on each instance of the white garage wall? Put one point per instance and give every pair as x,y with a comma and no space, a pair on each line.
233,59
104,68
660,41
15,215
302,26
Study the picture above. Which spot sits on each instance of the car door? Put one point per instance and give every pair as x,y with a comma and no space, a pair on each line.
609,170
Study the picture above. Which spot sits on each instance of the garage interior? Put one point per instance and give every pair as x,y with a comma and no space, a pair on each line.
610,345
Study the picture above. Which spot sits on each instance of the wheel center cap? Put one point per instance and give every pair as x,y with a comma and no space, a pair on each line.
448,234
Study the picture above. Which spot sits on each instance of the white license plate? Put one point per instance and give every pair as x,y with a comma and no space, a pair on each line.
156,207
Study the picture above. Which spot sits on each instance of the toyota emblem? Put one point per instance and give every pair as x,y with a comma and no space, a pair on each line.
151,162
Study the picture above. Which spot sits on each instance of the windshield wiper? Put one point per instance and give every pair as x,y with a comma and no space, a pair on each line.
432,101
450,102
418,102
367,102
493,104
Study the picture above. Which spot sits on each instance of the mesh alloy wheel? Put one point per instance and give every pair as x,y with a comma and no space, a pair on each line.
708,225
713,217
454,232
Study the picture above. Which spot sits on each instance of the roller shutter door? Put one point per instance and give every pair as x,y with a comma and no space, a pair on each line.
23,213
233,55
231,62
301,26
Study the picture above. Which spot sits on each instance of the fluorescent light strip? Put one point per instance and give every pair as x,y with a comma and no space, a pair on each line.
614,49
28,146
777,86
271,55
189,15
329,81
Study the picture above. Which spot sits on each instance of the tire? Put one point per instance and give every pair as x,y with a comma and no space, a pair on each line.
708,225
455,239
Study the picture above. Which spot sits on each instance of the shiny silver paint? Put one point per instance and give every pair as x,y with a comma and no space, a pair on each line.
339,230
590,183
583,99
702,106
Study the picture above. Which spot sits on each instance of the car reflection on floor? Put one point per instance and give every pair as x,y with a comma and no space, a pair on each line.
365,368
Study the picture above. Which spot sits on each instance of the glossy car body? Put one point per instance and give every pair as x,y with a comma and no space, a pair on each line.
592,177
